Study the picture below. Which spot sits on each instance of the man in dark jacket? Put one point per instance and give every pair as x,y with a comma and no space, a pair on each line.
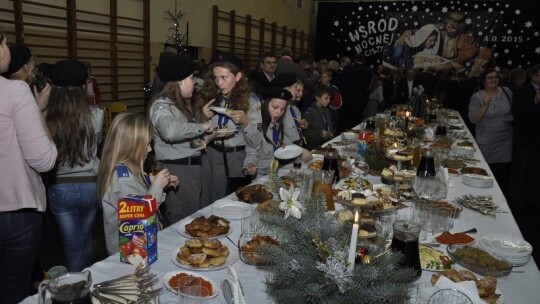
260,77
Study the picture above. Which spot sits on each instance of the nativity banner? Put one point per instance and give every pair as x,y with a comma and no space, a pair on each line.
465,35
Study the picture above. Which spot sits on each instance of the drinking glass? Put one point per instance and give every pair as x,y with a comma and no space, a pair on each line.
191,291
305,184
322,182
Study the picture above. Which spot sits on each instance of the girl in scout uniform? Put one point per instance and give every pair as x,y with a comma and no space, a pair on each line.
121,170
177,135
273,110
227,85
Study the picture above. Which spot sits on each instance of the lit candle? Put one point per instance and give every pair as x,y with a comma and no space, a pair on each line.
354,240
407,115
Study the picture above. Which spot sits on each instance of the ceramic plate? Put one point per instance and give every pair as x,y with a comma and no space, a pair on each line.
288,152
432,259
220,110
477,268
477,181
506,244
231,259
167,277
463,150
230,210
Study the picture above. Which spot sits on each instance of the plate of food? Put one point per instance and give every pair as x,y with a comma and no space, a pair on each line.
474,170
288,152
487,286
448,238
255,193
250,245
479,261
212,227
203,255
432,259
221,110
173,279
225,131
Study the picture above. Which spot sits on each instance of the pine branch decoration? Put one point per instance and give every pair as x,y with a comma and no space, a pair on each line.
308,264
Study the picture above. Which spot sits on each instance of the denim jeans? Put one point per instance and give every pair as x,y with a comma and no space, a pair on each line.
74,206
20,236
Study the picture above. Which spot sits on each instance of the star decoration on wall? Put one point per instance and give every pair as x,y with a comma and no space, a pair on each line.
468,21
518,12
414,8
444,10
537,50
528,24
336,23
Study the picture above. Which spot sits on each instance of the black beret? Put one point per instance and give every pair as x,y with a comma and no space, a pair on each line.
284,80
175,68
68,73
228,57
20,55
276,92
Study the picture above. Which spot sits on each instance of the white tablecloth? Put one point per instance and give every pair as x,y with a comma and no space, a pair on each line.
517,288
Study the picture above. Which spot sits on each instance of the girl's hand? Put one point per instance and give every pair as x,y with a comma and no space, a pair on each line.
173,182
239,117
42,97
251,169
206,109
206,127
306,155
162,178
303,124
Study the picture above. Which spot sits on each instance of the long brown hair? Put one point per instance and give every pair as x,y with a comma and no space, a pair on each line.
172,91
239,96
70,121
126,143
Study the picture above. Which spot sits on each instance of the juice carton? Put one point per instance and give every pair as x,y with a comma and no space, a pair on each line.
137,228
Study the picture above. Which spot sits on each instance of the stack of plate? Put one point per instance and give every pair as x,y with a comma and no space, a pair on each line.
516,251
231,210
463,150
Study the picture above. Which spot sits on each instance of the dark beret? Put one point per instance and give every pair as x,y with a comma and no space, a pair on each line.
20,55
284,80
227,57
175,68
68,73
276,92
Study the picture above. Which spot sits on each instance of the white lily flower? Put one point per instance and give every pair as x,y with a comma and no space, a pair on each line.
290,203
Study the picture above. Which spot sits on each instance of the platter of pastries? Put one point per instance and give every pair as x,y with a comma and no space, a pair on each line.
203,254
255,193
250,246
205,227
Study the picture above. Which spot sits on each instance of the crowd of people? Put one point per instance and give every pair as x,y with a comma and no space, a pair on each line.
214,133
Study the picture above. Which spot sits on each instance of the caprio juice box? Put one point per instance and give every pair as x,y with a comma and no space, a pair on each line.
137,229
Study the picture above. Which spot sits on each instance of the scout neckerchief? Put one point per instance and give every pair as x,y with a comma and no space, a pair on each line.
297,124
223,120
325,120
275,136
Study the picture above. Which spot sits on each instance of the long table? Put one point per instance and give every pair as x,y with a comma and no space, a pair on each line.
518,287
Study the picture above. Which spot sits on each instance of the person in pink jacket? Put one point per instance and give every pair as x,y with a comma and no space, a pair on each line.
25,150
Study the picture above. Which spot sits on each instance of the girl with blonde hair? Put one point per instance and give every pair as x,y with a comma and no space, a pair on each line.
121,170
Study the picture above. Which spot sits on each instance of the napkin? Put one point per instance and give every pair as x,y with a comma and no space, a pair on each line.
467,287
231,283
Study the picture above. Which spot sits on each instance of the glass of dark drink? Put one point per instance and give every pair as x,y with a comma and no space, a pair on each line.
330,163
297,163
69,288
441,130
405,240
370,125
426,168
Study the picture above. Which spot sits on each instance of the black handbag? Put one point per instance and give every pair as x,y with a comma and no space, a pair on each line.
233,183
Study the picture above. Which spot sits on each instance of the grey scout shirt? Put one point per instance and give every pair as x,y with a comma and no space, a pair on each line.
174,136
